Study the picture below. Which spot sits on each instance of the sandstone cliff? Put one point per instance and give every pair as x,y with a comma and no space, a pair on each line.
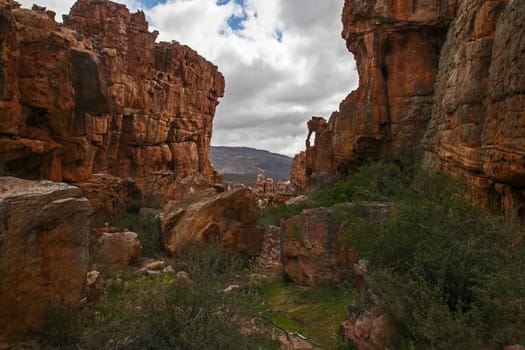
439,77
97,95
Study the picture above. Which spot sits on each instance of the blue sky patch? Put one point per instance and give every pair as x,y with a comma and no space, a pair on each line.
235,22
152,3
279,35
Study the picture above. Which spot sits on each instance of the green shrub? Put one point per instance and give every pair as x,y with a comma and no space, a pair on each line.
148,229
273,215
201,315
444,269
377,181
61,325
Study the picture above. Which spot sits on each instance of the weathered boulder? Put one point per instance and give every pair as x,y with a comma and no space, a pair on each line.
122,248
369,330
229,219
44,250
312,248
98,95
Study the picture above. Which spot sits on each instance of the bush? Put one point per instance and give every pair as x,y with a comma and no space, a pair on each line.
148,229
377,181
445,270
61,325
201,315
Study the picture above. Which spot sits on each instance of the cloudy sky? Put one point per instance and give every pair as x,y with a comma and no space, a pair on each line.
284,61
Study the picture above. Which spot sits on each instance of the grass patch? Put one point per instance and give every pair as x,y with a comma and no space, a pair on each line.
315,312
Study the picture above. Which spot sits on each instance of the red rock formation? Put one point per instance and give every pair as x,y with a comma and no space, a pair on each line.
477,130
98,95
228,218
443,78
44,250
312,248
122,248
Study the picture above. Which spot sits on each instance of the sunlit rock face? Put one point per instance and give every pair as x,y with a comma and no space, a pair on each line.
477,130
228,219
440,78
97,95
44,250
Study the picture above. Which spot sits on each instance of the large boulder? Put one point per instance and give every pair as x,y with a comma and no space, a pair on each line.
312,248
44,250
122,248
229,219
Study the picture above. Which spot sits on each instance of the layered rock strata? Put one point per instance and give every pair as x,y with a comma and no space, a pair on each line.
440,77
44,250
477,129
97,95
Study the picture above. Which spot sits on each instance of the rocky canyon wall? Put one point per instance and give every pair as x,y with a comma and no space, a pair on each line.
97,98
442,78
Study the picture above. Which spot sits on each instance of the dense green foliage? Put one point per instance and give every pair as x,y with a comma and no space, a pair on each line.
446,271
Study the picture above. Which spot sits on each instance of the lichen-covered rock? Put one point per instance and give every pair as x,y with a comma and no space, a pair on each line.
44,250
229,219
312,248
98,95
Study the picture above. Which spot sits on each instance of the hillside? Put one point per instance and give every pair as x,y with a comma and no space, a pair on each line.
236,161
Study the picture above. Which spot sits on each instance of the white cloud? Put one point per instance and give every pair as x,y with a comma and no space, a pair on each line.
272,86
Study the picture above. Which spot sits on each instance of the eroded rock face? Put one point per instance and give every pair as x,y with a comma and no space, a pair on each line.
312,248
98,95
478,122
228,219
396,46
44,253
443,78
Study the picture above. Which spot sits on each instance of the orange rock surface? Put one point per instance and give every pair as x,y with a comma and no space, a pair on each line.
228,218
44,250
442,78
99,95
477,130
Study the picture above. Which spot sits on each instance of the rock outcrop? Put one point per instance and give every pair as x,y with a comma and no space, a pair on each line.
44,250
369,330
115,247
312,248
228,219
97,95
440,77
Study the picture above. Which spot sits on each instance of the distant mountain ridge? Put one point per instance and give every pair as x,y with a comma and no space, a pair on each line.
250,161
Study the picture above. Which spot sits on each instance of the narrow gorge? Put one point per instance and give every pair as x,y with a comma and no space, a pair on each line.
401,227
